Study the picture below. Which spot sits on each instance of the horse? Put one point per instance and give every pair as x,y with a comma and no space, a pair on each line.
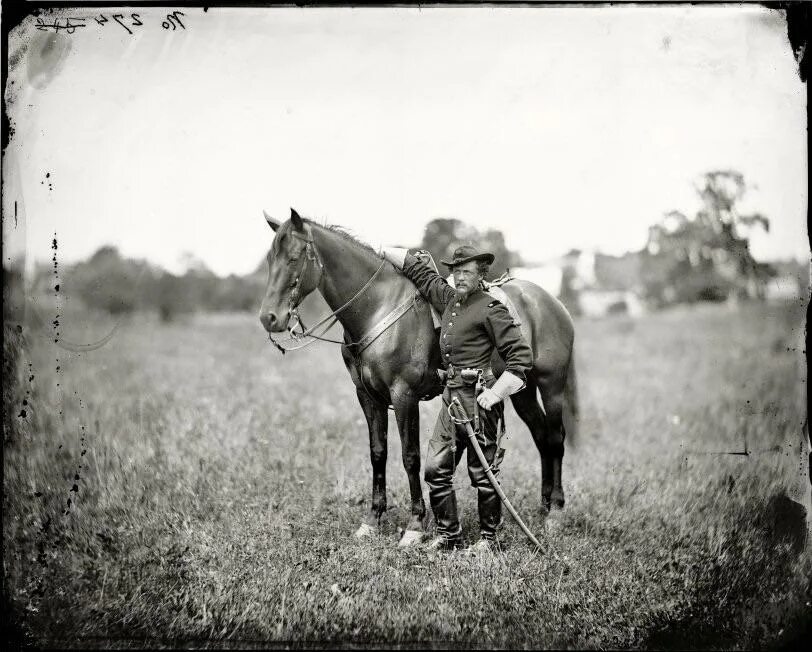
391,351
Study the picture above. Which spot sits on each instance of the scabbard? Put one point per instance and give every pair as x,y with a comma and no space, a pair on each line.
476,414
491,478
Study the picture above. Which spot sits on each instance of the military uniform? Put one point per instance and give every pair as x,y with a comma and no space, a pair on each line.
469,332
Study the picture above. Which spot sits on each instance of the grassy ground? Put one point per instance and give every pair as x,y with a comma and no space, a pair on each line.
186,483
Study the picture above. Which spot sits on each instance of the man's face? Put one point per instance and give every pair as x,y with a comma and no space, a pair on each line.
466,278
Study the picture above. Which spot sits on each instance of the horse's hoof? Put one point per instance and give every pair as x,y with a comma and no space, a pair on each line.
365,531
557,500
552,523
410,538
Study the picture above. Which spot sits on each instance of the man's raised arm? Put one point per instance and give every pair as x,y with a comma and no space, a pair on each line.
431,285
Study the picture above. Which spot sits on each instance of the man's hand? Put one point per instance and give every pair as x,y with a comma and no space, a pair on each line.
488,398
422,254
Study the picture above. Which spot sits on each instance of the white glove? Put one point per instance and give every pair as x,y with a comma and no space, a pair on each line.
395,255
506,385
488,398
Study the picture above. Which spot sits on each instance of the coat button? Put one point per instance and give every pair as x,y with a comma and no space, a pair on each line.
451,323
453,314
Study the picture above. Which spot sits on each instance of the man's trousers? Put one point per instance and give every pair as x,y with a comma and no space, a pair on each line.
445,450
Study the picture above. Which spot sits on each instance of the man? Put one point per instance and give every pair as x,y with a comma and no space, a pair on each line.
473,324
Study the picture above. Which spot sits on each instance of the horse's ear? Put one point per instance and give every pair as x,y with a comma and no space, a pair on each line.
271,221
298,222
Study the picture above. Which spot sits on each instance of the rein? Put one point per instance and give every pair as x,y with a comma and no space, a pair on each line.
311,253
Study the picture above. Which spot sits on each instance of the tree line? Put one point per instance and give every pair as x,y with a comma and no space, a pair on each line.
704,257
115,284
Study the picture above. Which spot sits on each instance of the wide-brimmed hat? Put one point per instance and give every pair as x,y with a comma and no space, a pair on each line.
467,253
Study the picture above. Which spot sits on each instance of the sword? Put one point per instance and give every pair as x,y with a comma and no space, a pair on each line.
491,477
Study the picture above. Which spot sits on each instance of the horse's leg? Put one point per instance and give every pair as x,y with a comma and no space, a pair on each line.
377,421
527,407
553,444
407,415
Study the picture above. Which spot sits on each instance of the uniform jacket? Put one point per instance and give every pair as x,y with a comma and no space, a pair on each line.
470,330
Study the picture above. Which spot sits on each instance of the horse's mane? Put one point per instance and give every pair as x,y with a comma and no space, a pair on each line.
343,233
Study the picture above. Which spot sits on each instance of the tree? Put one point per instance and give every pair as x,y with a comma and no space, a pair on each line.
720,190
170,295
443,235
708,257
109,282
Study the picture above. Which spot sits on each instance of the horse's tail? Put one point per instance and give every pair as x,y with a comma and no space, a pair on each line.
571,407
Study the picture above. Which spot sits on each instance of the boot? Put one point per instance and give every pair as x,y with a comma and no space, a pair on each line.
485,546
442,542
490,514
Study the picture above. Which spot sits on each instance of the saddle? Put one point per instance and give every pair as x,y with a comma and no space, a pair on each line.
498,282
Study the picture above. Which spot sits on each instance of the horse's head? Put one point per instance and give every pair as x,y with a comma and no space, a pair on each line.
294,271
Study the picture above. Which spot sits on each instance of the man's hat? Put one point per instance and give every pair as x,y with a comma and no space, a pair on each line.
466,253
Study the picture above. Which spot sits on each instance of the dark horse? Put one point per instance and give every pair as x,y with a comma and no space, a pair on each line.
393,357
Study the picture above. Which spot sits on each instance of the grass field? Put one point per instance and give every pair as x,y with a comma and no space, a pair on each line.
214,487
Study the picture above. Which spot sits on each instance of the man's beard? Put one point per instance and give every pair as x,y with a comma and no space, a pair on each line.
461,293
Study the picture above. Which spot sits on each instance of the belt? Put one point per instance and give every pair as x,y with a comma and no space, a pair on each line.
453,372
459,373
468,376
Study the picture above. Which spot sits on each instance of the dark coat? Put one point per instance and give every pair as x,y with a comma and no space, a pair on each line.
470,330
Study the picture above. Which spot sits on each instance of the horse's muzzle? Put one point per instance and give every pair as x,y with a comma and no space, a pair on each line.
271,321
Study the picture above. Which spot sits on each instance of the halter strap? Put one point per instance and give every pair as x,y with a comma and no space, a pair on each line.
310,246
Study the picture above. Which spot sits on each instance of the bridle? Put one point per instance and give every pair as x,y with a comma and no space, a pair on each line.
310,254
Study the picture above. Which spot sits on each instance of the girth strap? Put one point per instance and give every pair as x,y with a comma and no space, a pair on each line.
381,326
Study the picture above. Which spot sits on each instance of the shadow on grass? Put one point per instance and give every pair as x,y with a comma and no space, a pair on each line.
12,631
781,525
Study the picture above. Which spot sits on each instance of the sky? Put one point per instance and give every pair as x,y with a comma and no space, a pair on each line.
563,127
